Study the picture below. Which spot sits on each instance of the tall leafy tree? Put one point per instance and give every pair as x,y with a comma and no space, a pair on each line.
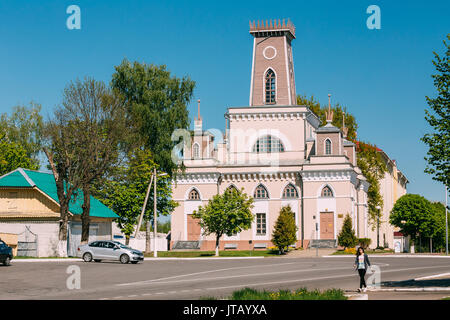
156,104
225,214
285,230
13,156
414,215
438,117
373,167
24,127
124,192
83,144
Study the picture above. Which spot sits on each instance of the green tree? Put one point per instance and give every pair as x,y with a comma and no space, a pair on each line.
24,127
124,192
225,214
373,167
285,230
438,142
438,233
347,237
338,111
414,215
156,103
13,156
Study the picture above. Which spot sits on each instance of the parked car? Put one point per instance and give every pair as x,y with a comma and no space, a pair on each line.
109,250
6,253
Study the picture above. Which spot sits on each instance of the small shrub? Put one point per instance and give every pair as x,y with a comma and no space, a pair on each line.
346,237
350,250
364,242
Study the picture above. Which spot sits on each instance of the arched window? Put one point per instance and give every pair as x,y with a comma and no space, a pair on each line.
327,146
326,192
232,188
196,151
270,87
290,192
261,192
268,144
194,195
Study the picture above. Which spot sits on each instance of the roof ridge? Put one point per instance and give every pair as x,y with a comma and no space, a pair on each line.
7,174
25,175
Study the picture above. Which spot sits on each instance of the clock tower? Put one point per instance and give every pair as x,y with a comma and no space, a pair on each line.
272,81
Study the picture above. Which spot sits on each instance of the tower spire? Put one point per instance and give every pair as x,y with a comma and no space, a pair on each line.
329,112
198,112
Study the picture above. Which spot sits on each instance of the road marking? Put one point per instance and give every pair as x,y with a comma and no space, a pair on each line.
433,276
132,296
198,273
387,256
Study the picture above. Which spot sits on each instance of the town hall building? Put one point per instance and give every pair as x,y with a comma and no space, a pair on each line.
278,153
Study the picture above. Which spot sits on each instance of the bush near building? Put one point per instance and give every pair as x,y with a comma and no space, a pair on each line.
284,233
346,237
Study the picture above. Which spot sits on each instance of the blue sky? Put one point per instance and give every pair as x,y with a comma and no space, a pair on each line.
381,76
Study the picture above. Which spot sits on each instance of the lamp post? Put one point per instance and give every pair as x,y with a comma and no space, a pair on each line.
378,226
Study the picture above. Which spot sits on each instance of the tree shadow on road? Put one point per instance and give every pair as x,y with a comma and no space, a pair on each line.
419,283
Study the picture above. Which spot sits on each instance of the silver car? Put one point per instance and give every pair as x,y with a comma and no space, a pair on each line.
109,250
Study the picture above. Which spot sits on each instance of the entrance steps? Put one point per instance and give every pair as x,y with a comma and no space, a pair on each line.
331,243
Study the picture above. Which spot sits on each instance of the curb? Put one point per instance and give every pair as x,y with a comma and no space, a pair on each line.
145,259
357,296
199,258
430,289
386,256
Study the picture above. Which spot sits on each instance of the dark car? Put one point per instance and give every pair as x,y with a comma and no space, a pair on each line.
6,253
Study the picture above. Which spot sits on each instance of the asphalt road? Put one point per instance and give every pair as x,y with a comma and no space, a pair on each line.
193,279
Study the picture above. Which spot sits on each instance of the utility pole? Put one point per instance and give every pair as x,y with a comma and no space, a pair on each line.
378,226
446,220
155,222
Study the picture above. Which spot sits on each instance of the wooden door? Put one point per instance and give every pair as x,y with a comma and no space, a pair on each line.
193,229
326,225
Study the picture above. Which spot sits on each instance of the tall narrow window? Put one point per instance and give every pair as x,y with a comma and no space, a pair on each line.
261,192
290,192
327,146
194,195
260,224
326,192
196,151
270,87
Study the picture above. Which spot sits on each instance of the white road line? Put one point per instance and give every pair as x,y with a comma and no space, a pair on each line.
198,273
386,256
433,276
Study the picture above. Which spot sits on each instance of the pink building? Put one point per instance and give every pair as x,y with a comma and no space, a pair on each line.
277,152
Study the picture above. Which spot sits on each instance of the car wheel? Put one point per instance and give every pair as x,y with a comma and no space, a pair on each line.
134,262
87,257
124,259
97,260
7,261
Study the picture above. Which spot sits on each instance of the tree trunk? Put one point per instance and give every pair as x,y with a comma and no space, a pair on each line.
148,232
62,238
217,245
127,240
85,218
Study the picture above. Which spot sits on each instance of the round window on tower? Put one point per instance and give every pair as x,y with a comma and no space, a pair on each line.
269,52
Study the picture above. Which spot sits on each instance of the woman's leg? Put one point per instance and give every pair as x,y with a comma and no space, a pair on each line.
362,273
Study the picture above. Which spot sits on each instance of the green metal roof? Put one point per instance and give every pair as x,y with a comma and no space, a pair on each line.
24,178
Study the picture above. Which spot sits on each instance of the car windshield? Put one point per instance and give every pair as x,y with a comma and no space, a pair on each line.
122,245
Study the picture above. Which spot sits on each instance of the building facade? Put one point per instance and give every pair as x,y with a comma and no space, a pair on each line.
29,209
277,152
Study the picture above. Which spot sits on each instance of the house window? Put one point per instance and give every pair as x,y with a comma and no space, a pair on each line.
270,87
261,192
326,192
261,224
327,146
194,195
290,192
196,151
268,144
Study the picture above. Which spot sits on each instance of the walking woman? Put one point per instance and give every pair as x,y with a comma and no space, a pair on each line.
362,263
